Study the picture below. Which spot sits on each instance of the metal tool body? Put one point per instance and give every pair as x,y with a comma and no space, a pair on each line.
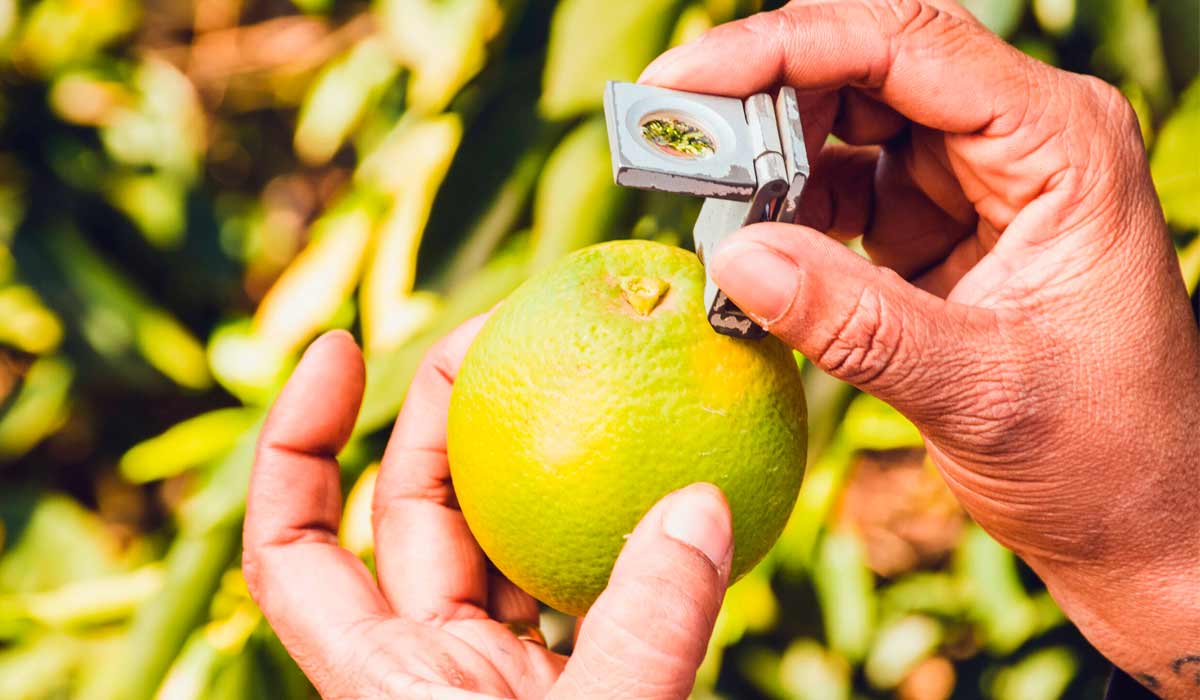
746,157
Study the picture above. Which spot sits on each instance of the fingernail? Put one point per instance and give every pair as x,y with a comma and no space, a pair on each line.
697,517
759,279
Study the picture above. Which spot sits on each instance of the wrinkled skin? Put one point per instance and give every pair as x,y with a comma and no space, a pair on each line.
1024,309
435,623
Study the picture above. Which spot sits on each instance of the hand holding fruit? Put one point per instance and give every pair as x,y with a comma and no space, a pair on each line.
1025,310
438,623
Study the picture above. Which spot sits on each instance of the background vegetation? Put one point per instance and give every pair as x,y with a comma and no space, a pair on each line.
190,191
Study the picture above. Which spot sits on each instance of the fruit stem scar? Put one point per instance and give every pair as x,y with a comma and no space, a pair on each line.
643,293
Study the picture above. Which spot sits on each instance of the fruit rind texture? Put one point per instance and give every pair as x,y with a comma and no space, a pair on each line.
574,412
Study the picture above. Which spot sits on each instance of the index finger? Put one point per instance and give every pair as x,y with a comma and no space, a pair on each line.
934,66
430,567
311,590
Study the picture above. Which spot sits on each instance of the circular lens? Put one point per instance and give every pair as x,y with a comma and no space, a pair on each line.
676,135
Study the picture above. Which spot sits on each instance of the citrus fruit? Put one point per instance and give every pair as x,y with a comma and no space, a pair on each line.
597,388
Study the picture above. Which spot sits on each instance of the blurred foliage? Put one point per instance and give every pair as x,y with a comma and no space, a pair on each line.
191,191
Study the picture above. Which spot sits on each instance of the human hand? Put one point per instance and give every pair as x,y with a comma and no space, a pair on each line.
439,622
1025,309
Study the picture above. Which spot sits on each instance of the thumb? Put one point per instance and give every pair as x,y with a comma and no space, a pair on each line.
866,325
647,633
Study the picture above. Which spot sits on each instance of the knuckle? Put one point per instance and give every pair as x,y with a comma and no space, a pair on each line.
904,16
1112,105
775,27
1102,159
865,344
913,25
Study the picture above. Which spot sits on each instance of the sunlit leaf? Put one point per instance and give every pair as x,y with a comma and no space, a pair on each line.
390,313
593,41
999,602
59,32
1042,675
1000,16
390,371
88,602
1057,17
693,21
340,96
899,647
40,407
845,589
443,43
164,128
871,424
156,203
171,348
356,532
576,202
187,444
25,323
60,543
245,364
1174,164
808,671
40,667
308,295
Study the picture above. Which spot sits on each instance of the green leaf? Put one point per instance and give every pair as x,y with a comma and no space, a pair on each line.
156,203
871,424
846,591
443,42
808,671
1056,17
89,602
57,33
40,667
25,323
390,311
165,126
1000,16
117,317
1174,165
390,371
899,647
187,444
40,407
61,543
1042,675
593,41
1007,616
339,97
1129,46
576,203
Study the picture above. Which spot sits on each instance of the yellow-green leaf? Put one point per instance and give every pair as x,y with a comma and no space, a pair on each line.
576,202
40,408
187,444
593,41
1174,165
25,323
340,96
425,147
311,291
442,42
